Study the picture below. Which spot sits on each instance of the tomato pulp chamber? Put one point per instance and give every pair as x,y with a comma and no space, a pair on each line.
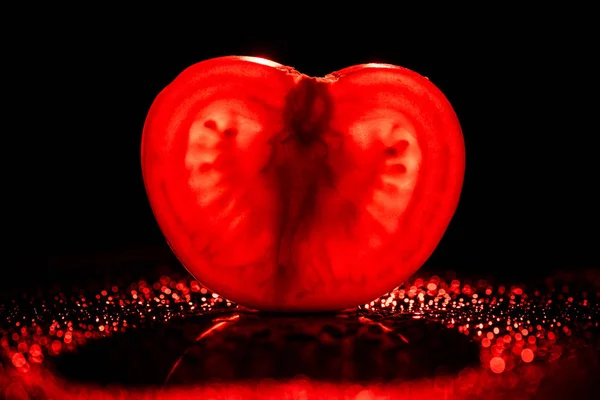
284,192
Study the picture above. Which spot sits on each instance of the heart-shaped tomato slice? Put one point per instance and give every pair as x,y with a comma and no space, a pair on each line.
284,192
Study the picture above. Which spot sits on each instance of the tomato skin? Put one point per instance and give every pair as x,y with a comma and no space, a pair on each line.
277,221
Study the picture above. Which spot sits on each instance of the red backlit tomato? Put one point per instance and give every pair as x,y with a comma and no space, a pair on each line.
284,192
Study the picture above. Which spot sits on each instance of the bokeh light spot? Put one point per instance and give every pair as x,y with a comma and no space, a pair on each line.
497,365
527,355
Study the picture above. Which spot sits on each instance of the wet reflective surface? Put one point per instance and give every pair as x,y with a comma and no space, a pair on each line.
166,336
250,346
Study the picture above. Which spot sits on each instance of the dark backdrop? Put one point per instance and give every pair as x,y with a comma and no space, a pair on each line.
78,90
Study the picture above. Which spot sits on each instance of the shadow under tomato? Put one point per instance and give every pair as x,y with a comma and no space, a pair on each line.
249,346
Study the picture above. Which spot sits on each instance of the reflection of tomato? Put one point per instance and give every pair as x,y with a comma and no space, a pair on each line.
285,192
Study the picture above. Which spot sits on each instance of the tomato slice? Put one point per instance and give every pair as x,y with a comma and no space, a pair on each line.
285,192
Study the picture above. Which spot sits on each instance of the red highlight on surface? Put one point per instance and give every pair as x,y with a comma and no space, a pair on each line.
285,192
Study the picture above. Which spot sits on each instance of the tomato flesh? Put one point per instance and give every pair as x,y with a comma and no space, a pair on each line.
284,192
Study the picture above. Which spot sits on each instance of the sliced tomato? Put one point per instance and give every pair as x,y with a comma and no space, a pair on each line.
285,192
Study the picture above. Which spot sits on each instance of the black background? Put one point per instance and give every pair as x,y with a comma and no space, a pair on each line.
77,91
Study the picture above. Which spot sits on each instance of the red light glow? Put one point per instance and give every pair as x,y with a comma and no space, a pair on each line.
560,345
